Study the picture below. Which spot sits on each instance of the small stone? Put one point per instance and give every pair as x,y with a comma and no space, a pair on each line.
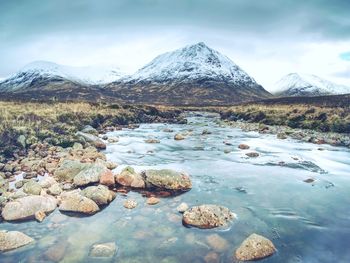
179,137
255,247
243,146
130,204
206,132
40,215
182,208
309,180
105,250
151,140
152,201
252,154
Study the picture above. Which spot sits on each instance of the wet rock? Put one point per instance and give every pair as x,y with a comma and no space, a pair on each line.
26,207
152,201
92,174
107,178
113,139
212,257
182,208
69,169
281,136
217,243
167,130
111,165
32,188
56,252
206,132
94,140
54,190
179,137
243,146
227,151
100,194
10,240
208,216
252,154
130,204
40,215
151,140
128,177
255,247
75,202
105,250
167,179
309,180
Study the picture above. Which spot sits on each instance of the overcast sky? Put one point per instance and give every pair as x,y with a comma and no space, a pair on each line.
267,38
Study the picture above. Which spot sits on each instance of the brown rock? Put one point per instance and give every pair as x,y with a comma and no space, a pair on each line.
128,177
167,179
243,146
152,201
255,247
107,178
130,204
179,137
40,215
252,154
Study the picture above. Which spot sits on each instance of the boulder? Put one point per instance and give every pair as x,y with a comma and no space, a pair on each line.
208,216
243,146
68,169
75,202
94,140
26,207
105,250
101,195
47,181
89,129
92,174
13,239
179,137
255,247
32,188
107,178
54,189
167,179
128,177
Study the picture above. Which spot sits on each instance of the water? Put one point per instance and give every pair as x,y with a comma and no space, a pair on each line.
308,222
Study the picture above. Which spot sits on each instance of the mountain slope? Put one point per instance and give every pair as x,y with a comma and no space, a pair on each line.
43,74
193,75
295,84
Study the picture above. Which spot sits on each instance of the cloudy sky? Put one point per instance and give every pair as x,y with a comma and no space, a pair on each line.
267,38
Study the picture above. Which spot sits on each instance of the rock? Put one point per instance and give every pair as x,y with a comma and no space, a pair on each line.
206,132
4,185
32,188
10,240
208,216
21,140
89,129
47,181
92,174
182,208
94,140
167,179
77,146
40,215
75,202
105,250
130,204
56,252
107,178
212,257
309,180
243,146
217,243
179,137
111,165
151,140
128,177
26,207
227,151
167,130
100,194
152,201
55,189
255,247
113,139
281,136
69,169
252,154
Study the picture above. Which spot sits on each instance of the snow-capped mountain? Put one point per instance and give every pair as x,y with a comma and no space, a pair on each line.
40,73
193,74
295,84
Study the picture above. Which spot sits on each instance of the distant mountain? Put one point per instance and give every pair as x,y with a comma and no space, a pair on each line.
44,74
295,84
193,75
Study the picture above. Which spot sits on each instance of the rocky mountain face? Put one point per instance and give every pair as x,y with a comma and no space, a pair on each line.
295,84
193,75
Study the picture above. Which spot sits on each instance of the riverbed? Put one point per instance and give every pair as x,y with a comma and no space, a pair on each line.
294,193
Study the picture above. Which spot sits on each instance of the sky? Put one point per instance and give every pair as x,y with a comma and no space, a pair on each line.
266,38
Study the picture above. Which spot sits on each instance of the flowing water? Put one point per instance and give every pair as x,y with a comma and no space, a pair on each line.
307,222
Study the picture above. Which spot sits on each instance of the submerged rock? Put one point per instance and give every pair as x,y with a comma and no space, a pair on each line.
10,240
26,207
167,179
130,204
217,243
75,202
182,208
100,194
208,216
255,247
128,177
105,250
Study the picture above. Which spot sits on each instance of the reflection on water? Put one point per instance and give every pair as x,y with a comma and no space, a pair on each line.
308,222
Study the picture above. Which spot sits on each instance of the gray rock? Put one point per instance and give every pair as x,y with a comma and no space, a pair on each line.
75,202
94,140
21,140
54,189
26,207
89,129
32,188
68,169
208,216
92,174
105,250
10,240
167,179
100,194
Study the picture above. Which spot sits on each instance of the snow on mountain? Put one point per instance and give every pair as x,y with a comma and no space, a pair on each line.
190,63
295,84
44,70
